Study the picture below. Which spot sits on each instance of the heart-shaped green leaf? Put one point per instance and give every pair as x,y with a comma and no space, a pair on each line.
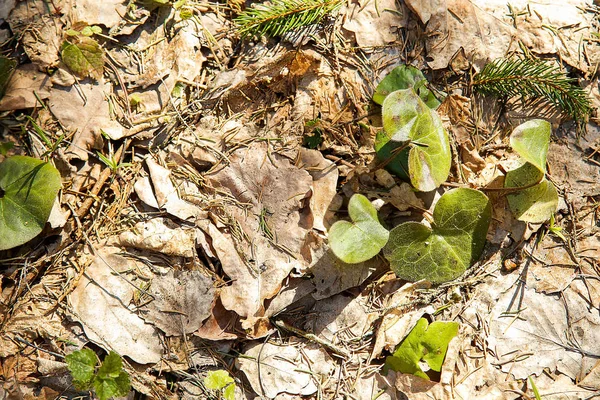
408,121
405,77
427,343
360,240
28,187
535,204
531,140
439,254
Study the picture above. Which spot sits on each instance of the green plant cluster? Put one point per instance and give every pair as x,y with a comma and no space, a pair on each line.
107,380
415,146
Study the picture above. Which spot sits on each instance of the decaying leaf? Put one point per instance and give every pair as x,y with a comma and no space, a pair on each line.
272,217
25,81
100,300
291,369
161,235
182,301
84,56
375,24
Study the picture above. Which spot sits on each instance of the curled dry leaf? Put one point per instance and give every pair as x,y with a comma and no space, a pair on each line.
375,24
325,177
162,235
182,300
100,300
291,369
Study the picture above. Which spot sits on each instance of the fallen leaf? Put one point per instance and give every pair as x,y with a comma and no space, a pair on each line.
375,24
100,300
271,211
291,369
108,13
325,179
182,301
161,235
25,81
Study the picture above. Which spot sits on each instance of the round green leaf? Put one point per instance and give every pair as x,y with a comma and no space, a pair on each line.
531,140
218,379
405,77
406,118
535,204
360,240
28,187
443,252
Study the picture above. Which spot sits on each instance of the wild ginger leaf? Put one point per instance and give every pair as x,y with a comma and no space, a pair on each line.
28,187
359,240
537,203
439,254
427,343
531,141
405,77
81,364
408,121
84,56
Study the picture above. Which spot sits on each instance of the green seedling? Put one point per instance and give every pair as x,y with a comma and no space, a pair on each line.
414,144
221,381
363,238
51,145
426,342
107,380
454,242
82,55
538,199
28,187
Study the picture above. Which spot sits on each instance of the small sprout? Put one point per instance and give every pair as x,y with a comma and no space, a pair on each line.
108,380
221,381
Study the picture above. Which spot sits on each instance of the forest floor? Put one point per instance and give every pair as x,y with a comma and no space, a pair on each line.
202,170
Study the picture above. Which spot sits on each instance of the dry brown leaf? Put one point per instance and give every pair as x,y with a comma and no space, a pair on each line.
20,89
219,324
87,116
325,177
290,369
100,301
106,12
182,301
375,23
161,235
272,215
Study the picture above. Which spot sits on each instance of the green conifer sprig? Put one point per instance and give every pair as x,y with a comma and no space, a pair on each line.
280,16
533,79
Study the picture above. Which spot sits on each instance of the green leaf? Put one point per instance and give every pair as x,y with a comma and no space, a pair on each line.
81,364
107,388
111,367
408,121
405,77
84,56
217,380
535,204
360,240
531,140
229,392
7,67
427,343
443,252
5,147
28,187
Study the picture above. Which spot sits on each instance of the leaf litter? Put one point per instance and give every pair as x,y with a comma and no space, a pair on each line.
218,221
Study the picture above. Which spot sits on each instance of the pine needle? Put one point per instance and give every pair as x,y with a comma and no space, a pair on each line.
281,16
533,79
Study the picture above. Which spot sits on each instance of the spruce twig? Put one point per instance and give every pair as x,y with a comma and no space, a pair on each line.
532,79
281,16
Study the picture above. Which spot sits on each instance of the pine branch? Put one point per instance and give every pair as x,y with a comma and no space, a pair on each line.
281,16
530,79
